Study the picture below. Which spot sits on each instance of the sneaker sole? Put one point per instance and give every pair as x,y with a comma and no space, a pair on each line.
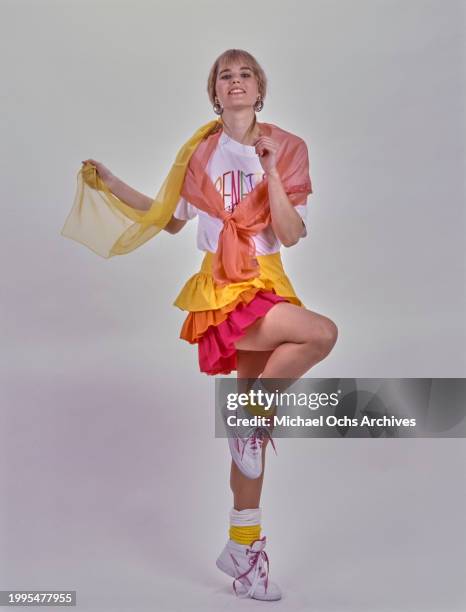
224,569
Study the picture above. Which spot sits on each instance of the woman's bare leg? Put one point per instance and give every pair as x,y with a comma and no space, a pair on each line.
298,338
285,343
246,491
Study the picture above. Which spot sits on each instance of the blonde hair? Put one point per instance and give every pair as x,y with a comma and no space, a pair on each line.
228,57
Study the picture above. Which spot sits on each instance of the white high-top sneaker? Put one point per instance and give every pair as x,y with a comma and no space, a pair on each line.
249,565
246,444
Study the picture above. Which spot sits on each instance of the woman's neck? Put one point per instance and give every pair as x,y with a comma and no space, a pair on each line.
236,125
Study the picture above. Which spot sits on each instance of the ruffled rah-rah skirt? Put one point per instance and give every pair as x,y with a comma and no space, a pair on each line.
218,316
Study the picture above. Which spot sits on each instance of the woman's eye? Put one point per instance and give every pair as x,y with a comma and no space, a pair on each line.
227,76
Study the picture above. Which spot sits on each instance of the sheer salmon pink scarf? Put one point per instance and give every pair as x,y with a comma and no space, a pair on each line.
235,259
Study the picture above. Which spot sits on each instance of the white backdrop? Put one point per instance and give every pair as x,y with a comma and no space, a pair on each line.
112,481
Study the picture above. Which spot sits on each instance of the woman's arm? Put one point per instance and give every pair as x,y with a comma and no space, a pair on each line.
128,195
140,201
175,225
286,222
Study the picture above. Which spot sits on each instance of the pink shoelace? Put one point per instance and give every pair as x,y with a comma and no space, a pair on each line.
257,440
259,566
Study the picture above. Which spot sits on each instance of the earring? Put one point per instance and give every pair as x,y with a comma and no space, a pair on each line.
259,105
218,109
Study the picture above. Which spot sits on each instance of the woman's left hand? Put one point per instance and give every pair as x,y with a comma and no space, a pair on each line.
267,148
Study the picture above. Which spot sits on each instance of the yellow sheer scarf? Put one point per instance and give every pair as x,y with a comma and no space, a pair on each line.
108,226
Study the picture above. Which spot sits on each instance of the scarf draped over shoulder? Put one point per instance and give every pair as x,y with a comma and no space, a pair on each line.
108,226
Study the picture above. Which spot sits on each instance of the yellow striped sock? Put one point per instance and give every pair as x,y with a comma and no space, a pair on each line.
245,534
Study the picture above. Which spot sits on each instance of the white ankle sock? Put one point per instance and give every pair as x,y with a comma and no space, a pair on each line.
245,526
249,516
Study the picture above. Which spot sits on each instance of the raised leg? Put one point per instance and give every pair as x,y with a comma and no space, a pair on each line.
284,344
298,339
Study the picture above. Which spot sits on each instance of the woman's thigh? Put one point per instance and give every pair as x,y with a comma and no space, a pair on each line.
286,322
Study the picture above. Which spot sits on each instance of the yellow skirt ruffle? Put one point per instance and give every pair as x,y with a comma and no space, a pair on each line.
209,303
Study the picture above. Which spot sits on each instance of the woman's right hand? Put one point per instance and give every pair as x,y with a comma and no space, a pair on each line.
102,170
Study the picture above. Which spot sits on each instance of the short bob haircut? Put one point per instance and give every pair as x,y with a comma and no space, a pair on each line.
236,55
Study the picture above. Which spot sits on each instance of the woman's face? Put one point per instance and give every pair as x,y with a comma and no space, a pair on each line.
236,76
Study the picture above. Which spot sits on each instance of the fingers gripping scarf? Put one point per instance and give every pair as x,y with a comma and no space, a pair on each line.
108,226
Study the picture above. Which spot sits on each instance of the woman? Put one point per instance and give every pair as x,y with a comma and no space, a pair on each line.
248,183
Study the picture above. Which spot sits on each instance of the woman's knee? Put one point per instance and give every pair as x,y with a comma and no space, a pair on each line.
330,332
321,332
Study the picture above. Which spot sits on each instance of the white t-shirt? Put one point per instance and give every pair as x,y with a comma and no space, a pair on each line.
235,170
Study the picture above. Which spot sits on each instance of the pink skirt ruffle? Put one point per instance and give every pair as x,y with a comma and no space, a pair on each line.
216,348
